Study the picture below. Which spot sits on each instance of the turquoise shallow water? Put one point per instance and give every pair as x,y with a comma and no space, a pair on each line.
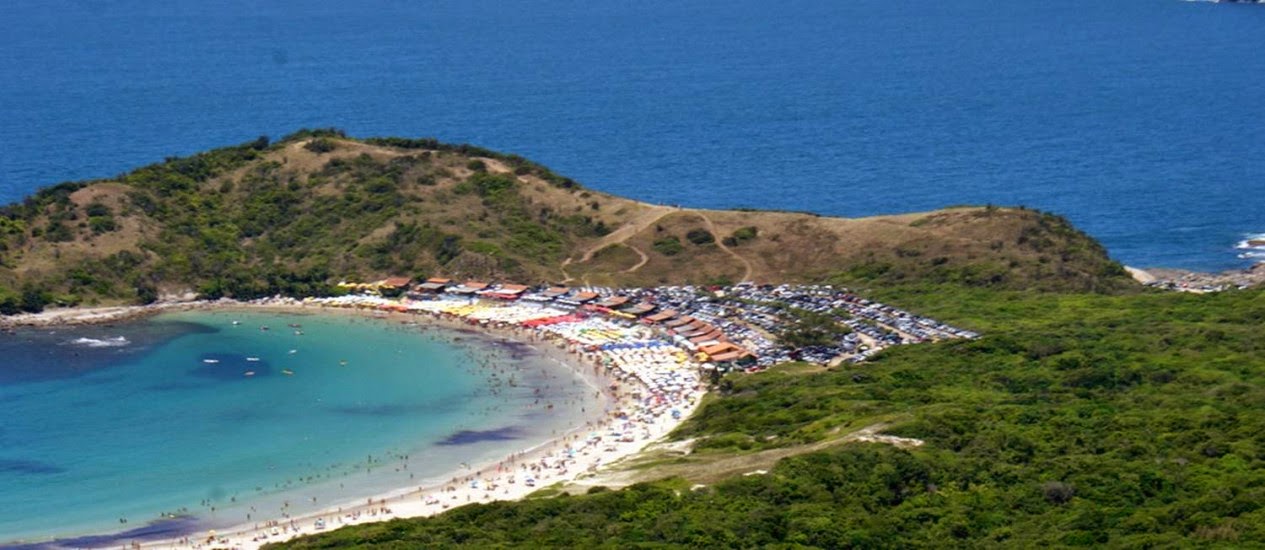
156,416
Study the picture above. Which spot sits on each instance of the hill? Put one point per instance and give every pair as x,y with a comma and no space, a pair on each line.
295,216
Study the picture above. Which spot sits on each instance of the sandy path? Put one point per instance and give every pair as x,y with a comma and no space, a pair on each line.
644,259
746,276
618,236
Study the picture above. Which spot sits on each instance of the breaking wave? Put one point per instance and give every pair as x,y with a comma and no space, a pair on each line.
101,343
1253,247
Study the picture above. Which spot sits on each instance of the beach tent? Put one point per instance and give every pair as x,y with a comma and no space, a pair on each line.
434,284
638,309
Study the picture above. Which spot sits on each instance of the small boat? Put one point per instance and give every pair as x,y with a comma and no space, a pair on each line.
293,351
294,325
249,373
235,323
265,327
287,372
342,363
298,333
210,361
252,359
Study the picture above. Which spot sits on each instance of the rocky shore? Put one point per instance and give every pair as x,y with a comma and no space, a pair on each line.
1193,281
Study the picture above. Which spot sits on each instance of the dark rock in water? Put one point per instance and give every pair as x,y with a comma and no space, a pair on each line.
467,437
162,529
32,467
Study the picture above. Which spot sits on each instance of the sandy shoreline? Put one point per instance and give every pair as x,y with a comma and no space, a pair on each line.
623,430
76,316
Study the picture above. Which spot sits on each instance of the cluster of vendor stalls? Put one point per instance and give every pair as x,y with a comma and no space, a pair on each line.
726,326
695,335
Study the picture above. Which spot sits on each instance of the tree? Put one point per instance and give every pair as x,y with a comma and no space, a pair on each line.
9,302
33,299
146,292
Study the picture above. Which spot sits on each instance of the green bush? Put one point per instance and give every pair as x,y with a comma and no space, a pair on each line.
743,234
813,329
58,232
321,145
669,246
700,237
102,224
98,209
491,185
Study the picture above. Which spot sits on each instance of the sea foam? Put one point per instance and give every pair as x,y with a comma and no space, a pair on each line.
1253,246
1256,240
101,343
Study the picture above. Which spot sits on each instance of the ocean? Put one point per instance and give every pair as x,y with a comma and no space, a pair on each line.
193,418
1140,120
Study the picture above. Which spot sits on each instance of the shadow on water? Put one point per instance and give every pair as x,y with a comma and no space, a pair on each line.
44,354
468,437
162,529
28,467
395,410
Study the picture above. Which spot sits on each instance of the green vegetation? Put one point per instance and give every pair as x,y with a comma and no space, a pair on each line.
520,165
1077,420
298,215
741,235
240,222
813,329
1092,413
700,237
321,145
668,246
1045,252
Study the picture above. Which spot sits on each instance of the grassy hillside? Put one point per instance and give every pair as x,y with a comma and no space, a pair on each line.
297,215
1077,420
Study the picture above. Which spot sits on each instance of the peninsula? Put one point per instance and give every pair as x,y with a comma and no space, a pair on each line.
295,216
969,376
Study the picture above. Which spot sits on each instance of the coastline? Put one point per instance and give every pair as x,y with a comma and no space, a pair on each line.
1199,282
1161,277
566,457
77,316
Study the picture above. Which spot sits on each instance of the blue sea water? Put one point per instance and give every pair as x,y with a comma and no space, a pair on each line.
1141,120
158,416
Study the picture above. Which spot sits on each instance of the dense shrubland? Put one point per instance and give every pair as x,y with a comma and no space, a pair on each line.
229,222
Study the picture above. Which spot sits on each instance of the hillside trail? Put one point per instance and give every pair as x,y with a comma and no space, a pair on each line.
618,236
720,242
644,259
708,469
